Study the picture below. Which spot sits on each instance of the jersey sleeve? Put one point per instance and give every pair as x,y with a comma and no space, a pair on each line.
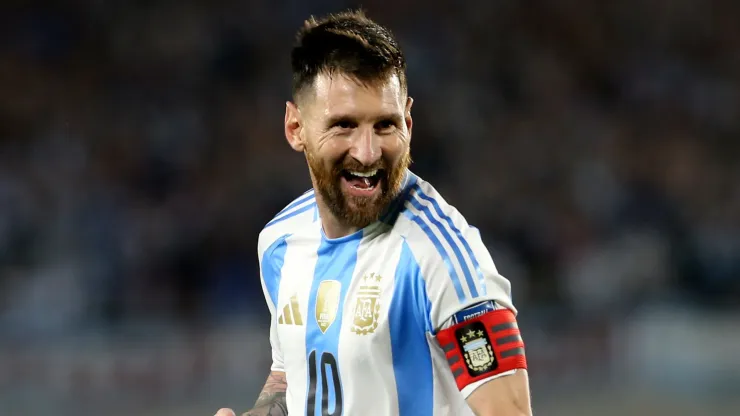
472,316
271,253
270,280
458,272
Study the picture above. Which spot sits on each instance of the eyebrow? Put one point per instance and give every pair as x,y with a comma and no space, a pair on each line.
395,117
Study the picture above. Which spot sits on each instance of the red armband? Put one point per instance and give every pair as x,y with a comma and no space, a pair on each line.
482,347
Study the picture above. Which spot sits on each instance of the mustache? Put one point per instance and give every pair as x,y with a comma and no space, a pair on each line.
354,165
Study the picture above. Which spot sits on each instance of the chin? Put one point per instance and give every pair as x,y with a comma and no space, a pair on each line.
364,213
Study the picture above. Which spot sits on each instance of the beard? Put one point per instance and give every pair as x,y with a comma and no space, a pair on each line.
350,209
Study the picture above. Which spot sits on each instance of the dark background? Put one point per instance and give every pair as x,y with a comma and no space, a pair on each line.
595,144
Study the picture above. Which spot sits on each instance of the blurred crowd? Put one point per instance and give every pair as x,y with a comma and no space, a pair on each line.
595,144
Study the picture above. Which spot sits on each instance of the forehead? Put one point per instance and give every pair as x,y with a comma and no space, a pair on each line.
338,94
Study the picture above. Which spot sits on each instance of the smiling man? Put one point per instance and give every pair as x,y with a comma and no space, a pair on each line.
384,300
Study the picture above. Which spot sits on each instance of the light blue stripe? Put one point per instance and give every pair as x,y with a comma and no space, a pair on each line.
440,249
336,261
448,237
272,264
460,237
409,321
291,214
450,241
303,198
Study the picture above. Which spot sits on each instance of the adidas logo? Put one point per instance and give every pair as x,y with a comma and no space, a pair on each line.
291,314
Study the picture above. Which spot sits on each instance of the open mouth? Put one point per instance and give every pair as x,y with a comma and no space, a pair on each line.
362,182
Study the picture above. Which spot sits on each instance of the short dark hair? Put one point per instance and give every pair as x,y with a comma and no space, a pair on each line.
348,43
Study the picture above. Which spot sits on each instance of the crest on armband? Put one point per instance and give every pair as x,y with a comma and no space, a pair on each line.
476,348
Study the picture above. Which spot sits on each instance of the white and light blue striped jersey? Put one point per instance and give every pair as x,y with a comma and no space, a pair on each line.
354,318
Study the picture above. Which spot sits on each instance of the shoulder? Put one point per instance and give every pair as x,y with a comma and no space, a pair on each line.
431,225
453,260
297,215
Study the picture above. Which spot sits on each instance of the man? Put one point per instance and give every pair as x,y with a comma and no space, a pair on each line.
384,301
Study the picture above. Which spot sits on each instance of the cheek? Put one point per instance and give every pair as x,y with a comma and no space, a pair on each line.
331,153
396,149
335,151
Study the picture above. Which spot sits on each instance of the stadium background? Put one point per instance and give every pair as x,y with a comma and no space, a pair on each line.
595,144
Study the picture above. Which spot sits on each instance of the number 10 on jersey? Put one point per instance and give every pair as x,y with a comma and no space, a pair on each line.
329,373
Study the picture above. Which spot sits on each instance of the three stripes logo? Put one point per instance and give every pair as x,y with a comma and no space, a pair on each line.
291,314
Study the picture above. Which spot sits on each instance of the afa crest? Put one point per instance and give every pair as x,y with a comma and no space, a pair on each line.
367,307
477,349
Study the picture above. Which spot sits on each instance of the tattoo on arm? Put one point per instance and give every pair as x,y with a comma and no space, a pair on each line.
271,401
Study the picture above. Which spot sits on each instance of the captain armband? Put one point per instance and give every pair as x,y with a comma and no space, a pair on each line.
483,346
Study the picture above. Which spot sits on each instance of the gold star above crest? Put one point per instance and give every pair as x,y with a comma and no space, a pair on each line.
371,278
471,333
480,334
464,338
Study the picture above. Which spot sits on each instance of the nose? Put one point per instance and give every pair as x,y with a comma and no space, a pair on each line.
366,147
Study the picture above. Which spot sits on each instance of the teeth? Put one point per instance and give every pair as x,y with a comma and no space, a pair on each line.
364,174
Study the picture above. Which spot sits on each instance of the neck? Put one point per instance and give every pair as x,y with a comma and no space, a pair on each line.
332,226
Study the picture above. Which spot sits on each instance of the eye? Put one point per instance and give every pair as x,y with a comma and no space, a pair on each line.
385,126
344,124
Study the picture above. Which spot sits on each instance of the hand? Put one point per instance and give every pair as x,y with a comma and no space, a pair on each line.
225,412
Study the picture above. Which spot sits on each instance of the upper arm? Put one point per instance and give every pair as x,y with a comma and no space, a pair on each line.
271,250
466,293
503,396
270,262
457,268
455,264
278,364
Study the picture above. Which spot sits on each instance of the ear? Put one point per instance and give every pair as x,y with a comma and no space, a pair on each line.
407,115
293,127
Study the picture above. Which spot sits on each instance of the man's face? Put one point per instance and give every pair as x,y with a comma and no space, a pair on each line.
356,141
